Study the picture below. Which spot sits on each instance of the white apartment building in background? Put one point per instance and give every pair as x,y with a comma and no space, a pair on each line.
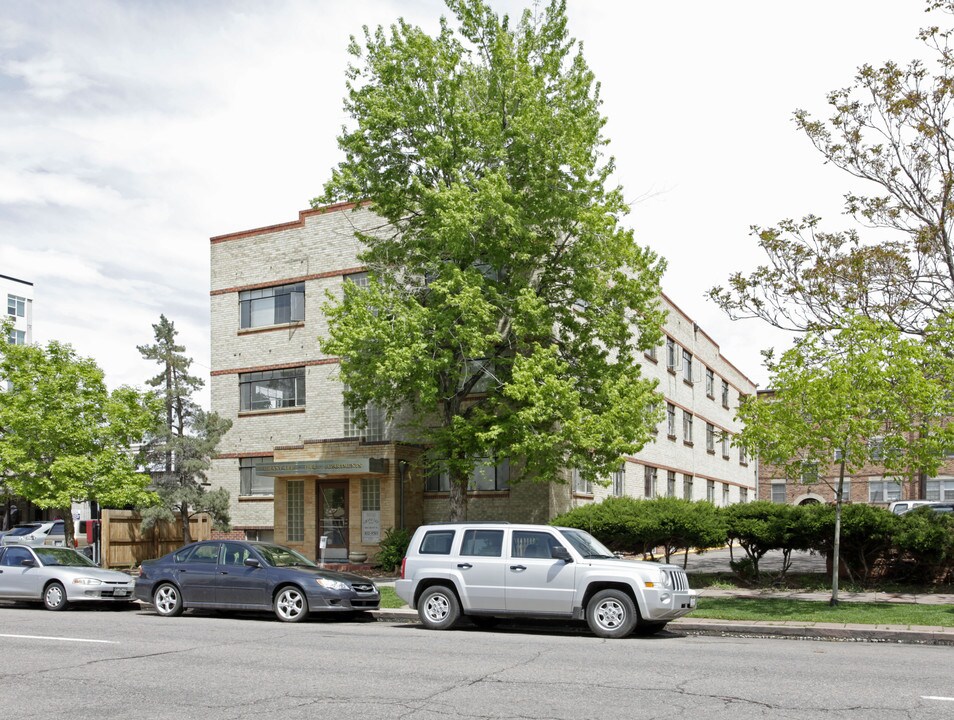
298,469
18,296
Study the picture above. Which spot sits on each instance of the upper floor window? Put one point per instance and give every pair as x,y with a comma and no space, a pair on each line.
710,383
272,305
619,478
670,483
17,337
651,353
580,485
725,445
373,427
671,420
710,491
251,483
16,306
649,481
743,495
687,487
725,394
710,438
725,494
671,354
272,389
687,366
686,426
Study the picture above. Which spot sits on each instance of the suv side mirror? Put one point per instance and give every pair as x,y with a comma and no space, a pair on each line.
559,552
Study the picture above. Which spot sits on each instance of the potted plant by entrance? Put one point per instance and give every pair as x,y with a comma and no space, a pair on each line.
357,557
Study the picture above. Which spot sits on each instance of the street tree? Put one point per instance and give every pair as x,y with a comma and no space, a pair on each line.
863,395
180,451
64,437
890,130
506,304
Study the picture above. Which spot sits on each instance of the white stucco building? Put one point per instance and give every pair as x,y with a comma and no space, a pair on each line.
18,296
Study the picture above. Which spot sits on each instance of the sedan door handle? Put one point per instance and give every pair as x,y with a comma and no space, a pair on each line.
464,566
518,567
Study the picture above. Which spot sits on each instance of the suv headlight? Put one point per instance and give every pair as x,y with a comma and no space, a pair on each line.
666,580
331,584
87,581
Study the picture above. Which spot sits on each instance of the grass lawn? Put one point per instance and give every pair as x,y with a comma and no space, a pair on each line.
389,598
811,611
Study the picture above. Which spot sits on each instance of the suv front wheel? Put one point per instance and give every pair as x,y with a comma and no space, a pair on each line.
611,614
438,608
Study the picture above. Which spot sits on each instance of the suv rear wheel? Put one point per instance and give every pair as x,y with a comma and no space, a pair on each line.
611,614
438,608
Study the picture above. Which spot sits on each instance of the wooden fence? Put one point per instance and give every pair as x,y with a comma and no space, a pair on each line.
125,544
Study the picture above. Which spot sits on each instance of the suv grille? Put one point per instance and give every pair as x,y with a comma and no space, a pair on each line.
679,580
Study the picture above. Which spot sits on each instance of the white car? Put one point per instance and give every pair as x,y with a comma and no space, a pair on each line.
899,507
58,576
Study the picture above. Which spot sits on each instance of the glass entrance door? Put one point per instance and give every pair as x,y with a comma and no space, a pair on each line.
333,519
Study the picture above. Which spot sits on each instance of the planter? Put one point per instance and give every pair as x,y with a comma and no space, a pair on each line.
357,557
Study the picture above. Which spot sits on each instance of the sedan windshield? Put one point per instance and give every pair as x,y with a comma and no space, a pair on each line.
278,556
585,544
63,557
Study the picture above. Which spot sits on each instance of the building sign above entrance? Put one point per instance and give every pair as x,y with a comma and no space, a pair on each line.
344,466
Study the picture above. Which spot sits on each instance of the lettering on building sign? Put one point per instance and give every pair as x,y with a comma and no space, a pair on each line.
324,467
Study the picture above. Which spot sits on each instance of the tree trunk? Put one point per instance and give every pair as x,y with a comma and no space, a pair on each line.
836,548
458,498
68,528
186,530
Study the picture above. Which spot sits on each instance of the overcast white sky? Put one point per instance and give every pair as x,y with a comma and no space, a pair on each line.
131,132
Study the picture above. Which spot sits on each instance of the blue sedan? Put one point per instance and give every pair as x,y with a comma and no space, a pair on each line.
239,575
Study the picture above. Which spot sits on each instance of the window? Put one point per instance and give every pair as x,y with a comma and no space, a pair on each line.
839,455
529,544
272,389
359,278
649,482
883,491
725,445
14,556
235,554
651,353
671,420
687,427
743,495
725,394
482,543
581,486
670,483
486,476
207,553
710,438
295,512
17,337
743,458
710,383
876,448
619,479
725,494
671,354
276,305
16,306
940,488
710,491
251,483
437,542
370,494
687,366
809,472
687,487
845,491
372,430
778,491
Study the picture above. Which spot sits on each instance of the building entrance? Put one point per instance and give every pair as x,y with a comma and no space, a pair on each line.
333,519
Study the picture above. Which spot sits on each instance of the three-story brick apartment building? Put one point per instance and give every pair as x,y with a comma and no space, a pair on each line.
298,468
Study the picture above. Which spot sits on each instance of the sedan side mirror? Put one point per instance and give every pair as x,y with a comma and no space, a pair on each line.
28,562
560,553
253,562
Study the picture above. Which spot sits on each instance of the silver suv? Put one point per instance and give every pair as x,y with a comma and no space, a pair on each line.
491,570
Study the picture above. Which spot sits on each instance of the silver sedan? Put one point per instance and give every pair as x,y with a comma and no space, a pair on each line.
58,576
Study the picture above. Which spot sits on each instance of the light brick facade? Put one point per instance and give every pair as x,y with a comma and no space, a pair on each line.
319,250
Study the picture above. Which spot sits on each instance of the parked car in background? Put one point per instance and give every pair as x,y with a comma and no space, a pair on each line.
936,507
49,532
899,507
58,576
491,570
240,575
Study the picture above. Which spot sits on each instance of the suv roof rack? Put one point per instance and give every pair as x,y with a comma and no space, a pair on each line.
469,522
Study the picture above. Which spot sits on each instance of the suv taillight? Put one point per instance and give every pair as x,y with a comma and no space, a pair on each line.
403,564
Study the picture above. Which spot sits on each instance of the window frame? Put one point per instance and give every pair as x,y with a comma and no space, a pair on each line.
248,381
247,467
249,315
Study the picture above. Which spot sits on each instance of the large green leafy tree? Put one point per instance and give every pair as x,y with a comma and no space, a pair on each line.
889,130
64,436
506,304
180,452
863,395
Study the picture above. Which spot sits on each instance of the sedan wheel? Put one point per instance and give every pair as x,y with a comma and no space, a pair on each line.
167,600
291,605
54,597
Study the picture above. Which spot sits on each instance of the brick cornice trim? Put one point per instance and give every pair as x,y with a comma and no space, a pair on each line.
233,456
300,222
278,366
736,483
289,281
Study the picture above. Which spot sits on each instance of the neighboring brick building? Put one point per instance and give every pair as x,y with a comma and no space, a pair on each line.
297,467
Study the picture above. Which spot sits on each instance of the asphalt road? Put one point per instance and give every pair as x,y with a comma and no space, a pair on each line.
92,664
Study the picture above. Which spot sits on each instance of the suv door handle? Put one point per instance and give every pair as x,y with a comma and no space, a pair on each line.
464,566
518,567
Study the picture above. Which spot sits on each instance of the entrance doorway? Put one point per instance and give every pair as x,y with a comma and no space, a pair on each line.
333,519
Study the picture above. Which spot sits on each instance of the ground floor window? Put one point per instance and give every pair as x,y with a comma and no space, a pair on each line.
251,483
486,476
581,486
743,495
778,491
670,483
710,491
882,491
618,478
687,487
940,488
649,480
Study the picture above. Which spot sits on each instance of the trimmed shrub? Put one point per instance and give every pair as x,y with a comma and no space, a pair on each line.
393,548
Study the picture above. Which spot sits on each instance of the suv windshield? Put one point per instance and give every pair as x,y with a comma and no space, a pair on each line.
585,544
278,556
63,557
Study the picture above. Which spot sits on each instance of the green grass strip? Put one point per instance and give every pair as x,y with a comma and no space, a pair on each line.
854,613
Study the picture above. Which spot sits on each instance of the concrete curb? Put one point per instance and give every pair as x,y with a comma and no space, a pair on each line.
913,635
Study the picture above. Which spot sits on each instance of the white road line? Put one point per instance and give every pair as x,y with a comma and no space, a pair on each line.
937,697
59,639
